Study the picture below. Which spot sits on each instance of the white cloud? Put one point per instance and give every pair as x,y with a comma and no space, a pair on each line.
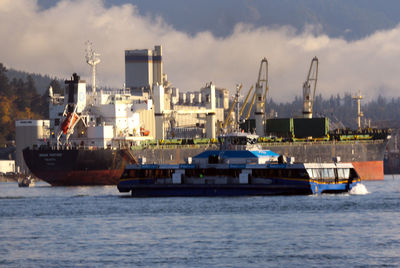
52,42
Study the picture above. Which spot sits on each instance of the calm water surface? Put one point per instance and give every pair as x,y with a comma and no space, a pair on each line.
48,226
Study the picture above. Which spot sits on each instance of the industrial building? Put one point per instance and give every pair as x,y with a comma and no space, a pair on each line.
183,112
143,68
28,133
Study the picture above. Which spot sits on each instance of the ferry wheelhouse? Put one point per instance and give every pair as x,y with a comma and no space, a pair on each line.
239,167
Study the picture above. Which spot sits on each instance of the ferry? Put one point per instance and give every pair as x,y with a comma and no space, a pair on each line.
239,167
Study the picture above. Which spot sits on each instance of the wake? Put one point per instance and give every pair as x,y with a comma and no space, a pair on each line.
359,189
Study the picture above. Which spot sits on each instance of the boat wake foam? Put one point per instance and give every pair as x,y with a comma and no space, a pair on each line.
359,189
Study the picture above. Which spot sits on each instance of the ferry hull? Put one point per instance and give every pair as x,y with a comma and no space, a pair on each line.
285,188
216,190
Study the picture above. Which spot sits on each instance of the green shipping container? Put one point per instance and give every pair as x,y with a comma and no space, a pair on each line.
280,127
310,127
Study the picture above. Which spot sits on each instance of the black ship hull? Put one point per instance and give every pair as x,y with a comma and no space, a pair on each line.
77,167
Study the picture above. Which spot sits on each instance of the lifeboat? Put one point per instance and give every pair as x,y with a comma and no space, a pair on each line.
144,132
69,121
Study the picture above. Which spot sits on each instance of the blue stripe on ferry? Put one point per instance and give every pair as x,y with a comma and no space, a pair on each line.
237,166
265,153
276,165
149,166
187,166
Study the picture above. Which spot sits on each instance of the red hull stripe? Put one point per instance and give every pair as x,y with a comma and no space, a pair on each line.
81,178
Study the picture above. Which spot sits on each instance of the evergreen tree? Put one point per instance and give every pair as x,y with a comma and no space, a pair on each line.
4,85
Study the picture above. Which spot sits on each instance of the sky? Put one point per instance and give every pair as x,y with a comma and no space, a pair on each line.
52,41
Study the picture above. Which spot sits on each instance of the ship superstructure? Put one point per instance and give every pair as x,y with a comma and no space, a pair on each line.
98,118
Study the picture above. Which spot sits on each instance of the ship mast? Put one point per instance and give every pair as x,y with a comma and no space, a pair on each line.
92,58
237,107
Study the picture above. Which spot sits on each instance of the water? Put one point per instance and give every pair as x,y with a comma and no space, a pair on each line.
96,226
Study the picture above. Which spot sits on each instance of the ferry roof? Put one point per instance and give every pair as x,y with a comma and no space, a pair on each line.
328,165
237,154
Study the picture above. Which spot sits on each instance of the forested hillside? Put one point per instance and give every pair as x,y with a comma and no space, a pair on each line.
20,100
41,81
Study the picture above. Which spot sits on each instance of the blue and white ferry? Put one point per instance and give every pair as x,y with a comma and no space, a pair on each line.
240,167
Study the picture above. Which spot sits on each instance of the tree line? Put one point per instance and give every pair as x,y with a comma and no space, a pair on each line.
20,100
342,111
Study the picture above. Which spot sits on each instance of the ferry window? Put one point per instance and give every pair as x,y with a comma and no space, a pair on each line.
285,172
317,173
340,172
346,172
324,173
311,173
331,173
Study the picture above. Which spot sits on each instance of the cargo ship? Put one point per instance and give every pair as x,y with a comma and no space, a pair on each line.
94,133
77,166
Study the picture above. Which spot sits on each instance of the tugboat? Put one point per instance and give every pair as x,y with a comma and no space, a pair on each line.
26,181
240,167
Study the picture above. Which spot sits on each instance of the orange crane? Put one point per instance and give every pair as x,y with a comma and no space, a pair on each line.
250,106
245,102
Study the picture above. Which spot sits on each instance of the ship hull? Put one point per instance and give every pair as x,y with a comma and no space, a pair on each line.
77,167
299,188
392,163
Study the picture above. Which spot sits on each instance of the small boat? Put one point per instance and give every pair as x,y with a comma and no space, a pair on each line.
26,181
240,167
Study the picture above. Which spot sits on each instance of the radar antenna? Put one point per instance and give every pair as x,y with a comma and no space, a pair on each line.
358,98
92,58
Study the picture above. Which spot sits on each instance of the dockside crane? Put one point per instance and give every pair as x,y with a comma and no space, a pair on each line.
311,82
261,95
250,106
245,102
